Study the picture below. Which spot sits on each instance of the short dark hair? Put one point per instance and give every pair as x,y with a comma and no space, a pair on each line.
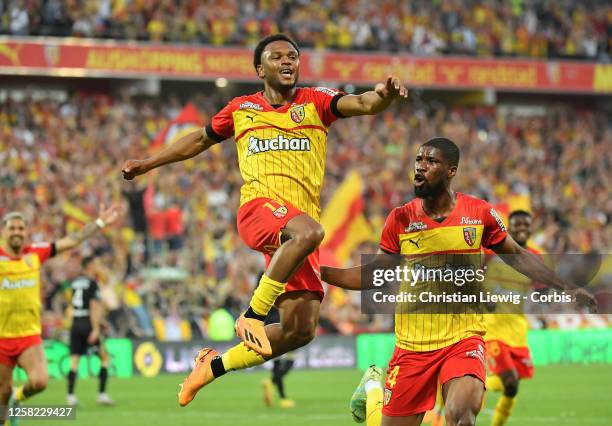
265,41
449,149
516,213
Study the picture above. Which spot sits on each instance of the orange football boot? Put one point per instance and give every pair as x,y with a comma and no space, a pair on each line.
251,331
200,376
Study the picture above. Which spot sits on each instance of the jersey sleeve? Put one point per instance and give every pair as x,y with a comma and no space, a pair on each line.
389,240
221,126
326,102
43,250
494,229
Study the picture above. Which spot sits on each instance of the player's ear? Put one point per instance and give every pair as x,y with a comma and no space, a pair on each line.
260,71
452,171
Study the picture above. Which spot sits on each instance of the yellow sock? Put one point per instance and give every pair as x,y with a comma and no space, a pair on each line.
374,403
502,410
265,295
240,357
19,396
494,383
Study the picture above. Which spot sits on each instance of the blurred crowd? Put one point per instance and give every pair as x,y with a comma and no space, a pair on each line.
533,28
177,259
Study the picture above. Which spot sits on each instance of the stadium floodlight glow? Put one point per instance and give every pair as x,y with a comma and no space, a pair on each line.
221,82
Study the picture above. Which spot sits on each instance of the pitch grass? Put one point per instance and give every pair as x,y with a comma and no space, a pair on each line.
559,395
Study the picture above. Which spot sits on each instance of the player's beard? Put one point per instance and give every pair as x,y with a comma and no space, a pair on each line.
16,243
427,190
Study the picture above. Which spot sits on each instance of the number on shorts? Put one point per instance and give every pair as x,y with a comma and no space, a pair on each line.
392,379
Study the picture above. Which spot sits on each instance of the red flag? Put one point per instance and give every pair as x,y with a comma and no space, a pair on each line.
344,222
189,119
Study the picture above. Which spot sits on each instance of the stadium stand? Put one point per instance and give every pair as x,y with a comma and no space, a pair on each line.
570,29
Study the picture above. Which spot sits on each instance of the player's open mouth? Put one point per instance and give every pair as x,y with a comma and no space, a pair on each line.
287,73
419,180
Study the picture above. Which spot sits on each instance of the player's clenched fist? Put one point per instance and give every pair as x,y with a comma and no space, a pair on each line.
133,168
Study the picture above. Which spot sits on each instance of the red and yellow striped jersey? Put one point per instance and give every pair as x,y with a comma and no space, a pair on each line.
20,290
408,230
510,328
281,151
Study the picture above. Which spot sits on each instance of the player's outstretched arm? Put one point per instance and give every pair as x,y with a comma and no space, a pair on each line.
374,101
350,278
106,217
530,265
346,278
527,263
184,148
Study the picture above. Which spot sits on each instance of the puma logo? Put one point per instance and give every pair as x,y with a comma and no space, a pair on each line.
416,243
251,117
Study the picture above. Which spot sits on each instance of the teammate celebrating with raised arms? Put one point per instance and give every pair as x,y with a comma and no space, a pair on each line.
281,135
20,299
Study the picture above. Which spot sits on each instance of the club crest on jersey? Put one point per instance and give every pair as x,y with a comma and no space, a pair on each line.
469,235
298,114
280,212
28,260
387,397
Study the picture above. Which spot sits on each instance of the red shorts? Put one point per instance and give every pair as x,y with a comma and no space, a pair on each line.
501,357
260,222
412,379
12,347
